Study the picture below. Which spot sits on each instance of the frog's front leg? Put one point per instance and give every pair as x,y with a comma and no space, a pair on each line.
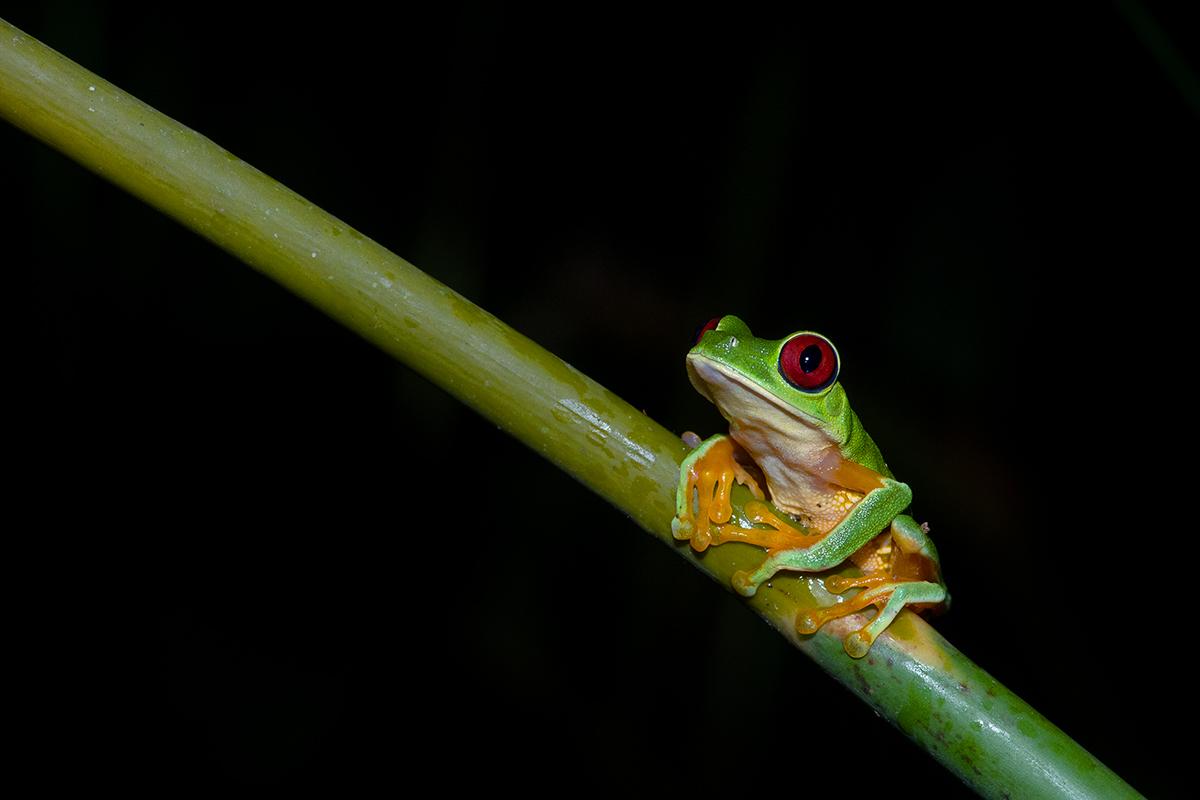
702,504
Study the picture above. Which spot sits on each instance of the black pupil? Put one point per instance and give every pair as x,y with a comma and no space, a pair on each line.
810,358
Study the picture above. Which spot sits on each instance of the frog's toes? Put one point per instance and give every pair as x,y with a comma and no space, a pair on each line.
744,583
858,643
685,529
807,622
682,528
837,584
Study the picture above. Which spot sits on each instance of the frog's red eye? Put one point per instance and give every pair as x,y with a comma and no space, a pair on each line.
809,362
711,325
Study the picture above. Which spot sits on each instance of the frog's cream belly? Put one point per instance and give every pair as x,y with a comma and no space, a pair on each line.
816,502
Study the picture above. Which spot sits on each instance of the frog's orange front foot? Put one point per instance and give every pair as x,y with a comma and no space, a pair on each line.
705,484
706,479
686,529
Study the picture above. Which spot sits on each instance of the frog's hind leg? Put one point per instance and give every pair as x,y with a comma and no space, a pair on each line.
900,568
893,597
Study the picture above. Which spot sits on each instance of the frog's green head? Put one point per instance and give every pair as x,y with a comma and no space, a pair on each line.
752,379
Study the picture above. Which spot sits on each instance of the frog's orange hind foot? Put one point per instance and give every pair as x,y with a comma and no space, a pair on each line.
891,598
811,621
857,643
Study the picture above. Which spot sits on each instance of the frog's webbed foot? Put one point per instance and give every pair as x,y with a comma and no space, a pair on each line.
889,596
895,577
706,478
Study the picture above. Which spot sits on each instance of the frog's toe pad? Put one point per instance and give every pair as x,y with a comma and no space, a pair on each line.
837,584
744,583
808,622
685,530
682,528
858,643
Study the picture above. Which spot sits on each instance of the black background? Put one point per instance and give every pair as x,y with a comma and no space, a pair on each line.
246,567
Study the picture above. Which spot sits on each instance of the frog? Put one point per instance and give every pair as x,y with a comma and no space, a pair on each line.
823,494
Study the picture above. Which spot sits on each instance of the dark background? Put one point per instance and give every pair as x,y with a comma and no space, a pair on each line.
246,567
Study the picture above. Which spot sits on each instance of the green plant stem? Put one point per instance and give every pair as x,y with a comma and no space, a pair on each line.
960,715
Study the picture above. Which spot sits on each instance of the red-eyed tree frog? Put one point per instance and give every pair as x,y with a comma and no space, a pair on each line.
794,440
